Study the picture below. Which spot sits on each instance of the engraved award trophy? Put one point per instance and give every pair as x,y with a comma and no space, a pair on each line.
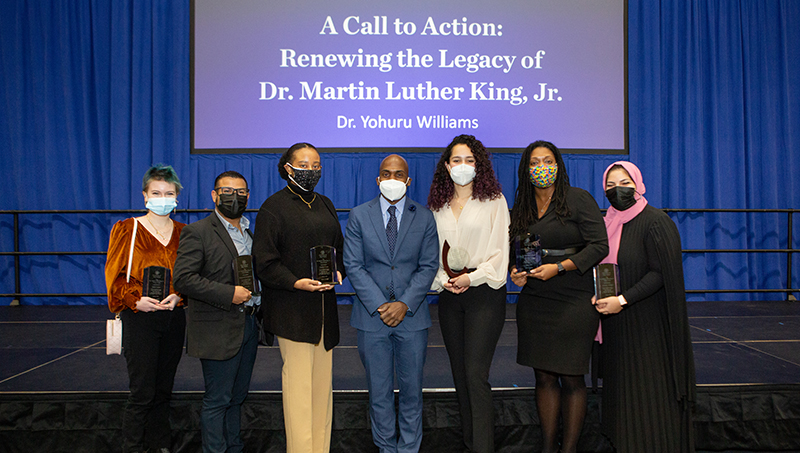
244,275
323,264
528,252
155,282
454,258
606,280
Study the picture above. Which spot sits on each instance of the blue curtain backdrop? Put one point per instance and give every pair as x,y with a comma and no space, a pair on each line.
94,92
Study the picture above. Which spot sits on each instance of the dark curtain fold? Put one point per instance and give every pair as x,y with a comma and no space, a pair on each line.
94,92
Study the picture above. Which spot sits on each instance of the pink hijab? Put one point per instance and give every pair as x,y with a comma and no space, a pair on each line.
615,219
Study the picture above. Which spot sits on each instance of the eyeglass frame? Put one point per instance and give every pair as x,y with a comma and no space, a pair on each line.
242,191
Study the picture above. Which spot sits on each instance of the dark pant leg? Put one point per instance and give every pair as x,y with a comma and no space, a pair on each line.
485,312
158,431
140,342
219,377
451,321
241,386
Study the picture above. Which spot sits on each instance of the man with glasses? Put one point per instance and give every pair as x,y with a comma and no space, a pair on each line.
221,324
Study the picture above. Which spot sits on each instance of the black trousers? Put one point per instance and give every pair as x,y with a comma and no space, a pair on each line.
471,323
152,343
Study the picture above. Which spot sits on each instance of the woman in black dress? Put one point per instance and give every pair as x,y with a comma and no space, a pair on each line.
556,321
297,309
647,359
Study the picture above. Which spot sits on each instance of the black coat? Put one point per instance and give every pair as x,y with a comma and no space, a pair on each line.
647,359
286,229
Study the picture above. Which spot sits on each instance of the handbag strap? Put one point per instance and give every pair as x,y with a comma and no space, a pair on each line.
130,255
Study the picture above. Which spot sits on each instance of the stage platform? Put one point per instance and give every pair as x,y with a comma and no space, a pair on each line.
59,391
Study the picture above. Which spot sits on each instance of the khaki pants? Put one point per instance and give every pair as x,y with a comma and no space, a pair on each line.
307,396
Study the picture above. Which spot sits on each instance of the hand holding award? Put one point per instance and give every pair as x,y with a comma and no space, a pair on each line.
456,258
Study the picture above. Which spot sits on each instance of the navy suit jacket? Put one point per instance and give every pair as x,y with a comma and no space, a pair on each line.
371,269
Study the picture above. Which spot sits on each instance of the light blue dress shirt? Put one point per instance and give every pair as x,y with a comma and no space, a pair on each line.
399,213
243,243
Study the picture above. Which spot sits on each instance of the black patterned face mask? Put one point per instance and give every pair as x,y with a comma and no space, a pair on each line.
621,198
305,179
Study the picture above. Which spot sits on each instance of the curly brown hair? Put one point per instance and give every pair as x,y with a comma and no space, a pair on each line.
484,186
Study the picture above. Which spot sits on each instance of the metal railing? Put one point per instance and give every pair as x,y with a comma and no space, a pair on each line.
17,294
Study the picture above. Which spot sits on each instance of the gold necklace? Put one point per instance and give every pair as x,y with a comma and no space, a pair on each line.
301,197
459,204
154,227
546,204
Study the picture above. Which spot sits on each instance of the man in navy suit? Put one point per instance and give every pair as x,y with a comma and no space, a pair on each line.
391,253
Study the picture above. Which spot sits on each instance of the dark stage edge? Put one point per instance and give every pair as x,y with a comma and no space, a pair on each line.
60,392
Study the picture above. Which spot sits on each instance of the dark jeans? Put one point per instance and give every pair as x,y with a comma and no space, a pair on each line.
227,383
152,344
471,323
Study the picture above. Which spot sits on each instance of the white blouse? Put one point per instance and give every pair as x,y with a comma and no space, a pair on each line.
478,240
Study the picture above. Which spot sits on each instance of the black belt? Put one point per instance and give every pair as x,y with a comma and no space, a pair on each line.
557,252
466,270
250,310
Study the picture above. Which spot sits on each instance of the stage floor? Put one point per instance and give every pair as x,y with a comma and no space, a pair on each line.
59,391
58,349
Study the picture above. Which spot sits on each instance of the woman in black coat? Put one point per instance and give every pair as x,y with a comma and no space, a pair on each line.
647,359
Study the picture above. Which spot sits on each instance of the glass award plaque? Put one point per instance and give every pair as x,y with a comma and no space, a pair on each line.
244,275
323,264
528,252
606,280
454,258
155,282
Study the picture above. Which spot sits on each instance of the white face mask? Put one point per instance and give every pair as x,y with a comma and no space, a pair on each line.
393,189
462,174
162,205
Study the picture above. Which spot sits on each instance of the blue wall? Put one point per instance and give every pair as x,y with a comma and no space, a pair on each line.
93,93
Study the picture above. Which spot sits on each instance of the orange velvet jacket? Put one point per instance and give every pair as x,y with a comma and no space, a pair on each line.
147,251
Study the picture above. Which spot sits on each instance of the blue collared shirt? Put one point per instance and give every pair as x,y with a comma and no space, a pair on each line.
399,213
243,243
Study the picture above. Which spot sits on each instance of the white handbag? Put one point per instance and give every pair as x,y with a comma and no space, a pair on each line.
114,336
114,326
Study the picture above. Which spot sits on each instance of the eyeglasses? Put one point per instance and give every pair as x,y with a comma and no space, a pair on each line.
231,190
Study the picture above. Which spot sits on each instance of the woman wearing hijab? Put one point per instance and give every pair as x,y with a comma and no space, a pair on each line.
647,360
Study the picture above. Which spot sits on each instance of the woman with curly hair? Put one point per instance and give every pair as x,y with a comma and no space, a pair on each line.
556,321
472,217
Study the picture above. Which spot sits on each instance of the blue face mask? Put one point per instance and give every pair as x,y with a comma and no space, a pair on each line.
161,205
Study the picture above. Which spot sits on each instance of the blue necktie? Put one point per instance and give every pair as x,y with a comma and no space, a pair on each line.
391,229
391,236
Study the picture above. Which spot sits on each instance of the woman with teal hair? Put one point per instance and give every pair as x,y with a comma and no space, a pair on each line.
153,328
